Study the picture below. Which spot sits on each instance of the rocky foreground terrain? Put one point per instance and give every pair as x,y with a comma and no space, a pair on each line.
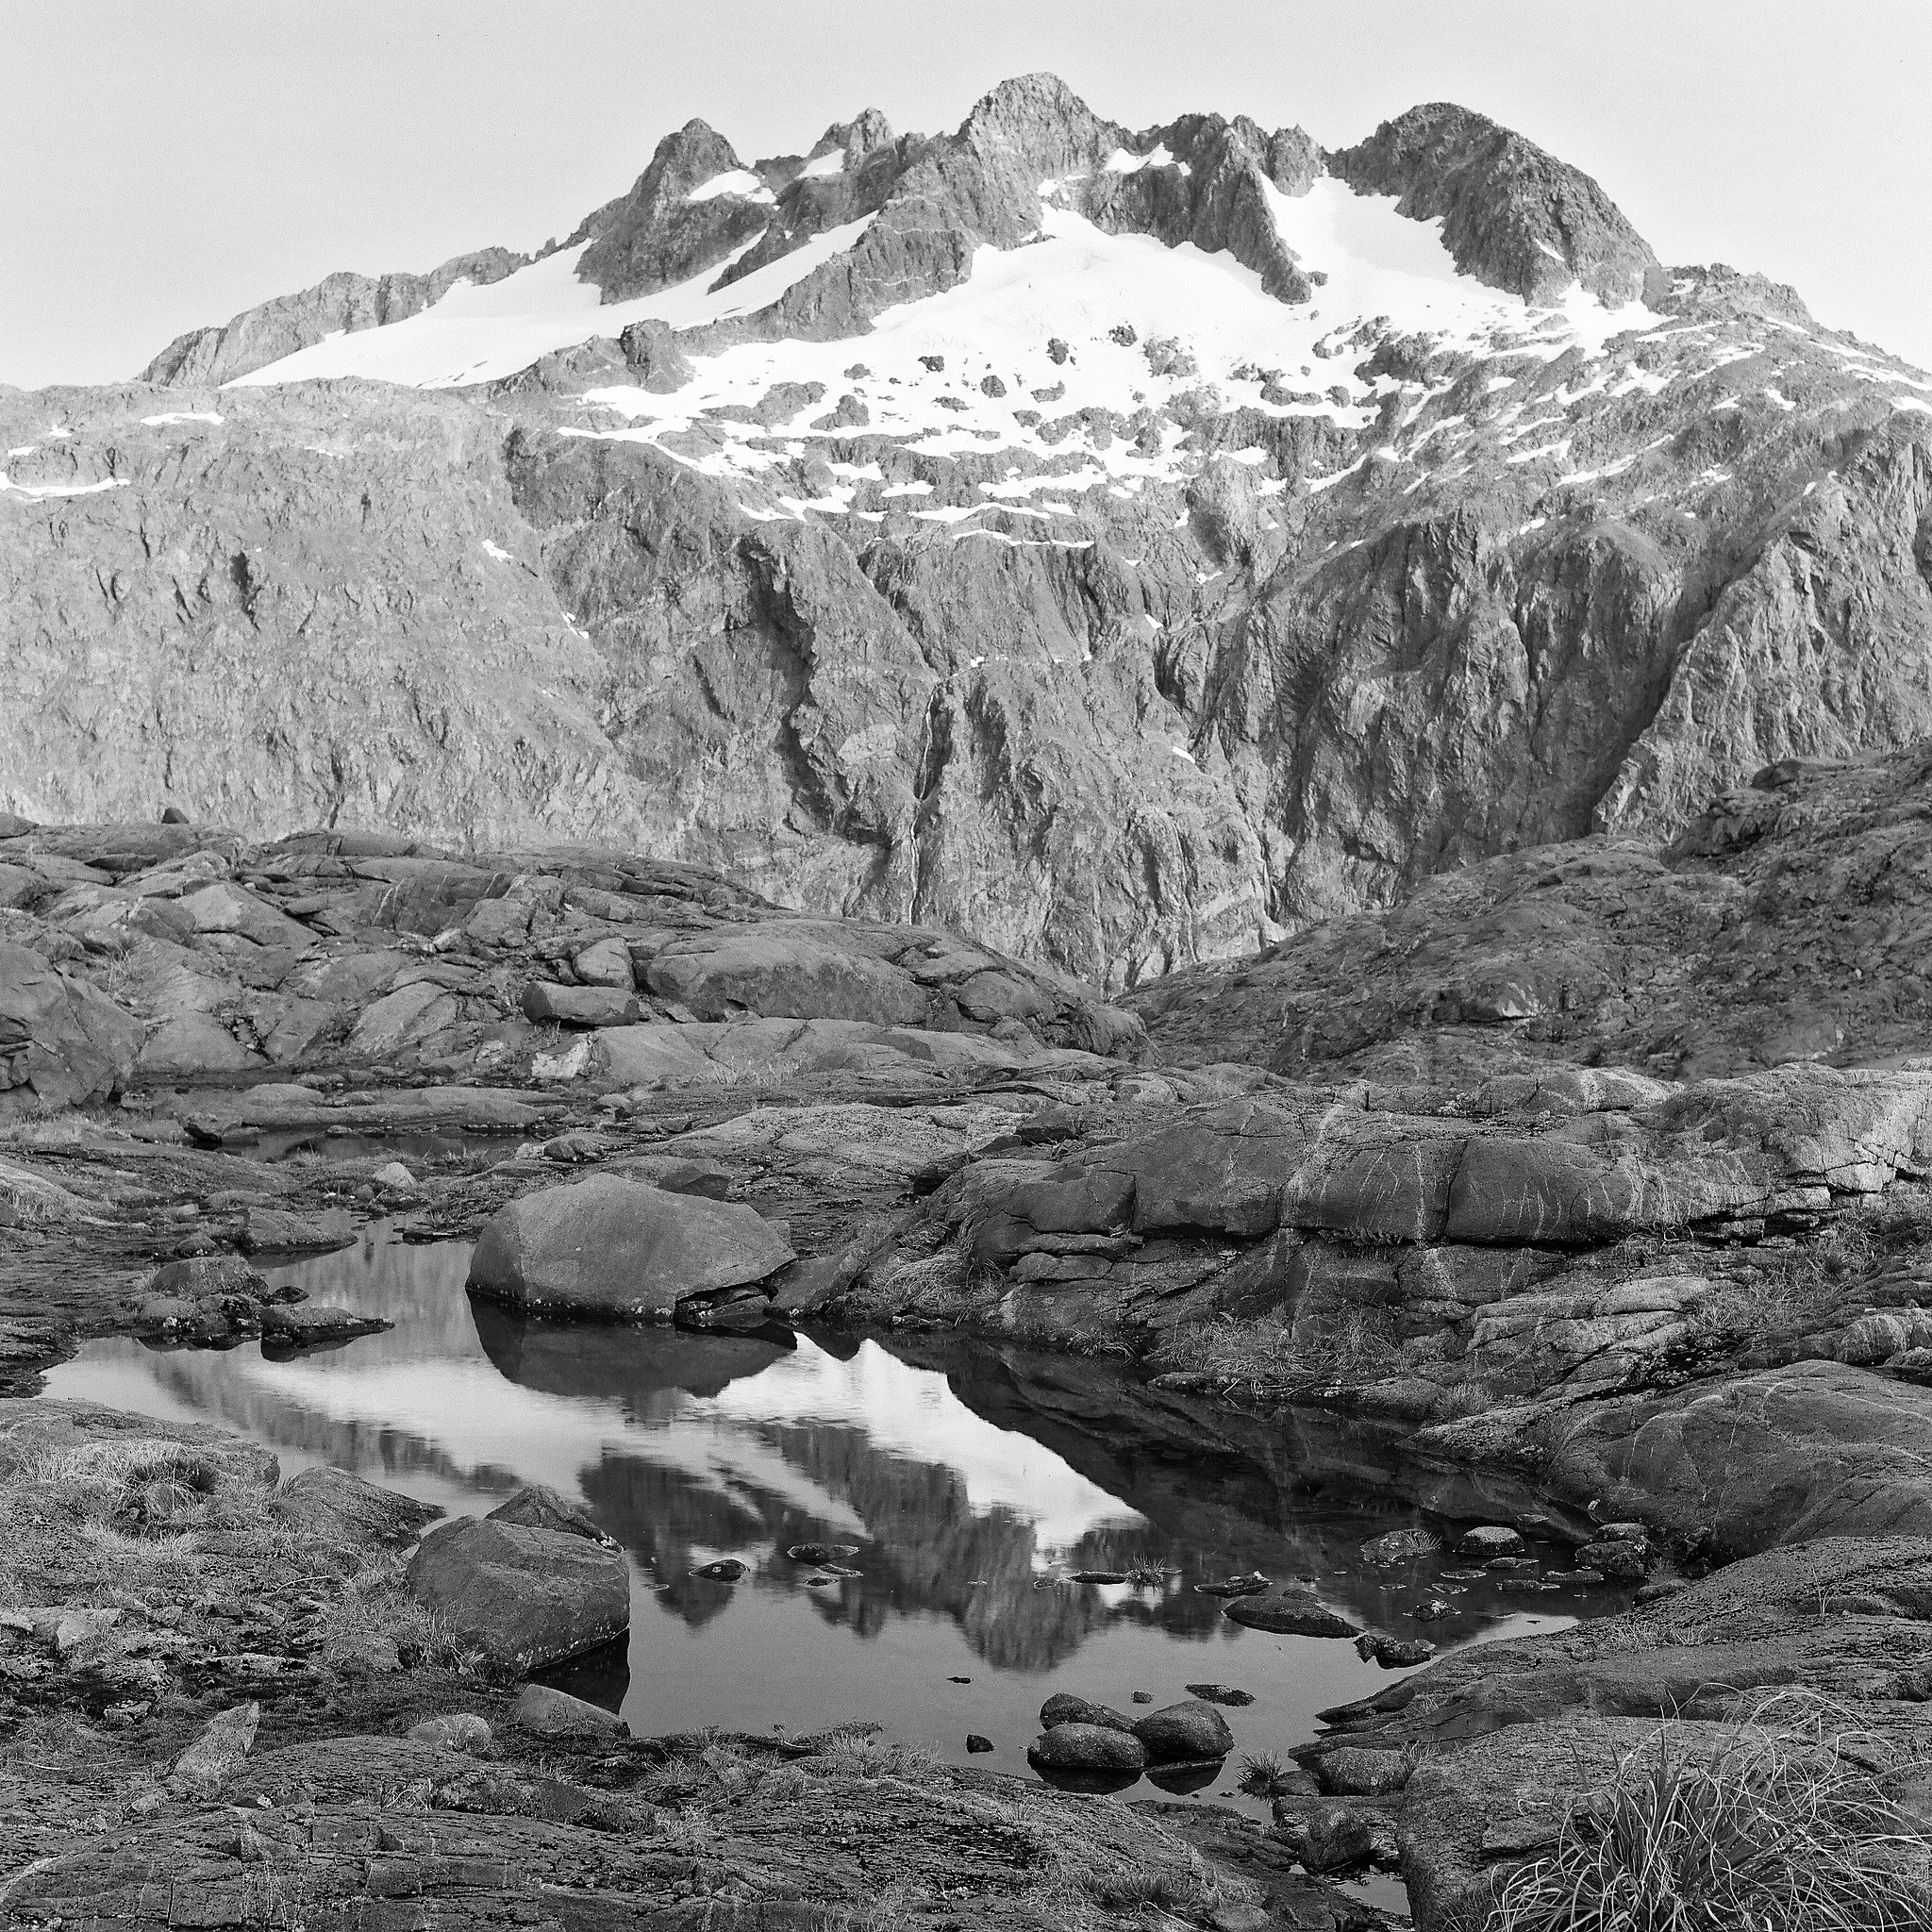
1304,770
1525,1175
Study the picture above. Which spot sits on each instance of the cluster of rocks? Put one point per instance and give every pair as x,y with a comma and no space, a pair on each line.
1090,1746
360,949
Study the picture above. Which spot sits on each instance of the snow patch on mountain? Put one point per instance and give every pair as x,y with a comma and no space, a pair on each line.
739,181
484,333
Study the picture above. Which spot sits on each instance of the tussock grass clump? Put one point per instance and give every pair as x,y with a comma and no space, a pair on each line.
1265,1774
374,1609
851,1755
1267,1354
1784,1830
111,1515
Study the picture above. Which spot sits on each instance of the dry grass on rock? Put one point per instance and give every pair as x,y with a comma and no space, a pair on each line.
1792,1827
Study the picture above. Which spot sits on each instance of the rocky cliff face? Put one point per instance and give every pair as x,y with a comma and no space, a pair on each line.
1784,924
1130,547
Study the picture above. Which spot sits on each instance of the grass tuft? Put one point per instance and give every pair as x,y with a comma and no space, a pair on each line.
1781,1831
1264,1774
1266,1354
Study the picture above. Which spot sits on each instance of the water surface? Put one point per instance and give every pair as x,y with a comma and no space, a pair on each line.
974,1479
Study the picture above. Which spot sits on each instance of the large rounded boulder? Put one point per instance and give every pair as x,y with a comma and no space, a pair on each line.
1184,1733
1094,1749
524,1597
617,1248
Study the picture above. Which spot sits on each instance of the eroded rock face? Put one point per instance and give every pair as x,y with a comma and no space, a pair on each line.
1777,926
1510,214
881,667
62,1043
621,1250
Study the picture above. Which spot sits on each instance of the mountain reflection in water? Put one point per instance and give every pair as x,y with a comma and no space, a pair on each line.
973,1477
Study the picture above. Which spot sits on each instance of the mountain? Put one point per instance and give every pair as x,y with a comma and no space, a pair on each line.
1130,547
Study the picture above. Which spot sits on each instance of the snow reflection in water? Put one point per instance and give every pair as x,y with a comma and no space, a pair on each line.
973,1477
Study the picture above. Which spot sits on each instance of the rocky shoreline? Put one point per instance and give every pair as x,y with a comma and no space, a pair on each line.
1682,1324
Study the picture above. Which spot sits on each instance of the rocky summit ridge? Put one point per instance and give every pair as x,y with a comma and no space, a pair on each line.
1129,546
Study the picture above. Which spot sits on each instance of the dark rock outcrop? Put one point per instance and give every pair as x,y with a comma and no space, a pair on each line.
1511,214
62,1043
656,236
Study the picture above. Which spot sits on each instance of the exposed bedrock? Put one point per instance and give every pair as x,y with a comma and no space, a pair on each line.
1655,1302
1826,1645
1511,214
340,606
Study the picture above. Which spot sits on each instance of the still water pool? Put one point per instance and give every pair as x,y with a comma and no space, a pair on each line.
973,1477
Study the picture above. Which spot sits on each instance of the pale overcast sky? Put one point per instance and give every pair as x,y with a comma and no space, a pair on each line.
171,161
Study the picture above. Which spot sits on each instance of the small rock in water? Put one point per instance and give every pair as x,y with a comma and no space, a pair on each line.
285,1330
1294,1613
821,1552
1143,1697
1184,1733
537,1506
742,1310
1393,1653
1625,1558
1507,1566
819,1582
393,1178
1489,1540
726,1570
958,1680
1219,1694
1087,1747
1098,1576
1434,1608
1250,1585
1063,1707
975,1743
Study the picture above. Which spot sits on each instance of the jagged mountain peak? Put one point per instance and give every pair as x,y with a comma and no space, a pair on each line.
864,134
1038,119
1512,213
